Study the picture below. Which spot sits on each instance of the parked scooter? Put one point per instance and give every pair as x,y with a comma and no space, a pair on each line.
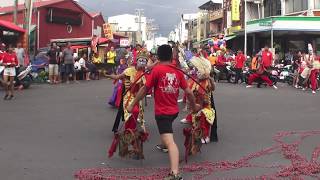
24,77
226,74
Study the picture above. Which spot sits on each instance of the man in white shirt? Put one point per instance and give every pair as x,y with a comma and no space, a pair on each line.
83,67
20,54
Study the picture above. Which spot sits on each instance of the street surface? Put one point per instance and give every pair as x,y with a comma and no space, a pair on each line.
51,132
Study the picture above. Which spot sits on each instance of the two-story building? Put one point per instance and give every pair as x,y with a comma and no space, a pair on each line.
56,19
285,25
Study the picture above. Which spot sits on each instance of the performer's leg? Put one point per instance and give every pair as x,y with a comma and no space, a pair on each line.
214,127
168,141
132,122
252,78
206,128
238,75
313,79
267,80
164,124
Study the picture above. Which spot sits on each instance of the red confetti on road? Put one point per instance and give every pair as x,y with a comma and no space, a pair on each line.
300,167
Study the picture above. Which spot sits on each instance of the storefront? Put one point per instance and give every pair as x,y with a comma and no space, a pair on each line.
10,33
284,34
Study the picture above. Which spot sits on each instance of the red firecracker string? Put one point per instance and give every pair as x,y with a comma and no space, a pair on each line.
299,168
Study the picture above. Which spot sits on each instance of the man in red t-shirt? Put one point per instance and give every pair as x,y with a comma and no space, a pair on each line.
240,59
267,58
166,81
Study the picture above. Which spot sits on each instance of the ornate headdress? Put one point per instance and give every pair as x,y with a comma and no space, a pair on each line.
142,59
203,67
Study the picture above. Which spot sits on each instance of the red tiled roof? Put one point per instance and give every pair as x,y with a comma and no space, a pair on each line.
37,4
6,25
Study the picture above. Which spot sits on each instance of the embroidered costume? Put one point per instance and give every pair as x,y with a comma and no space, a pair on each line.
130,139
201,121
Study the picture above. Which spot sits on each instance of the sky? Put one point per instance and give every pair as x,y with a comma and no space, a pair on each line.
166,13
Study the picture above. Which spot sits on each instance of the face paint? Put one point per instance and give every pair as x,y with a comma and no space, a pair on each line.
142,62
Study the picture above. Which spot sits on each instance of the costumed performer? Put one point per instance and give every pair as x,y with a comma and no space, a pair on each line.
202,90
133,79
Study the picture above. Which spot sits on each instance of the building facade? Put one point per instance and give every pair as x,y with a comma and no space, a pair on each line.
283,25
128,25
56,19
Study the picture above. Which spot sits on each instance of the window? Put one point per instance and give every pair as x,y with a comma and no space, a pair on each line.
296,5
272,8
317,4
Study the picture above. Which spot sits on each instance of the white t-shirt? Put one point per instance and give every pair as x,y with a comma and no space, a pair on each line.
77,66
82,62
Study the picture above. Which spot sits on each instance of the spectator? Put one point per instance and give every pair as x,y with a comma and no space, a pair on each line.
254,62
67,56
10,61
96,58
83,66
267,58
240,59
53,55
111,57
20,55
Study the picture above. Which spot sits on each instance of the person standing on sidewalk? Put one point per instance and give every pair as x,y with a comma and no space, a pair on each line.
10,61
67,56
53,55
20,55
240,59
111,61
166,81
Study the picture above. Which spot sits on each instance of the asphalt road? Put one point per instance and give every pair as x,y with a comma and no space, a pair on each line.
50,132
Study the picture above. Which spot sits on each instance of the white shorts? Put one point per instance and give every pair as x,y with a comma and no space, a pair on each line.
9,71
53,70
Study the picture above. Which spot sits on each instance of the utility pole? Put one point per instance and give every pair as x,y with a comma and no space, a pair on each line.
27,21
245,28
139,14
15,12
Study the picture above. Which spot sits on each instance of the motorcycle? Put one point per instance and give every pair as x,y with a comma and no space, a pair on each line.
24,77
226,73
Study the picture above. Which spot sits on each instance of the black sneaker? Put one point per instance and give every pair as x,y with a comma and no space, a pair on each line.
162,148
172,176
6,97
11,97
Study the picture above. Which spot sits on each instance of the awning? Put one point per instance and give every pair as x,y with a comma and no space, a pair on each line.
227,38
79,47
8,26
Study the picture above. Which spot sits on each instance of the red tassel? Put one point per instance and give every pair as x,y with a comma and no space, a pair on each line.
114,145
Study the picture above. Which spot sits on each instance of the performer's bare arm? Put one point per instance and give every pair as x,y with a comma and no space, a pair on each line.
116,77
151,64
192,100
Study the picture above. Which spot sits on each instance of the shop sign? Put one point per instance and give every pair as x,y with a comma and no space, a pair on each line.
235,10
214,15
265,23
124,42
107,30
233,29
